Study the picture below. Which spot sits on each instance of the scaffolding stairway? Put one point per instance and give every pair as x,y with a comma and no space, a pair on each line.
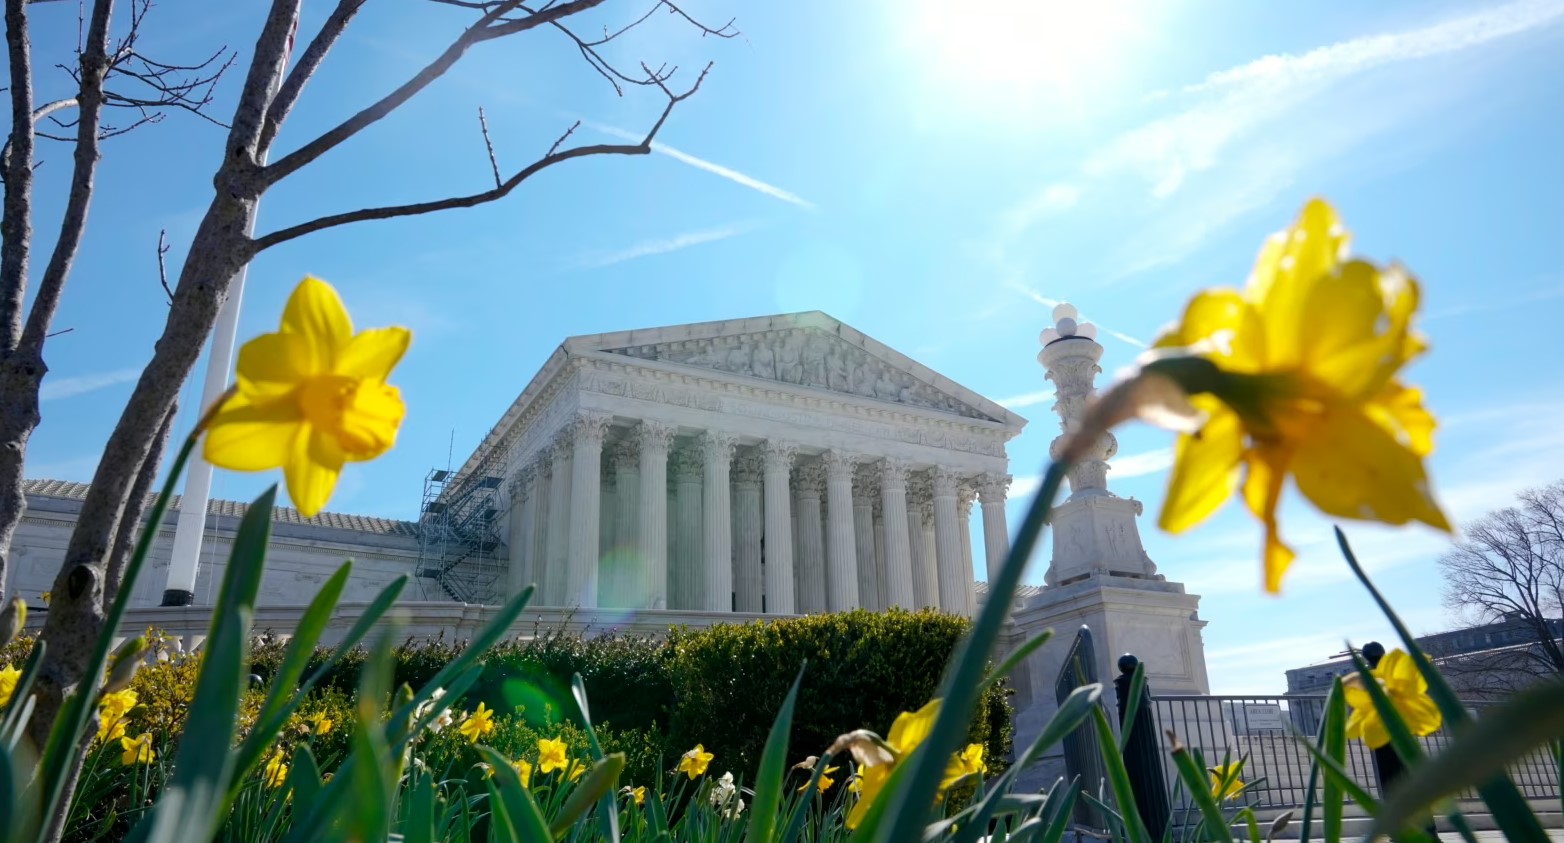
459,545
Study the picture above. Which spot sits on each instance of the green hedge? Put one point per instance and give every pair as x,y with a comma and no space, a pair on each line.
864,668
720,687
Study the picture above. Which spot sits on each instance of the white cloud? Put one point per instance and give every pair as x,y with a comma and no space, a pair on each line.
1025,399
715,169
1047,302
664,245
1138,465
1052,199
54,389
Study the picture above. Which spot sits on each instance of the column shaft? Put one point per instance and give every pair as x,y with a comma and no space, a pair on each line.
996,535
964,494
652,525
608,510
586,501
749,586
841,552
522,513
948,539
624,564
559,523
866,488
781,597
717,567
537,548
899,589
809,580
684,567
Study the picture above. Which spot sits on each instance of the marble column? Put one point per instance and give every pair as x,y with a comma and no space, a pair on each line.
948,539
651,527
559,520
930,554
841,549
966,490
587,432
866,487
777,458
749,578
608,510
920,536
717,558
898,573
809,577
623,564
882,597
542,495
522,489
684,567
996,535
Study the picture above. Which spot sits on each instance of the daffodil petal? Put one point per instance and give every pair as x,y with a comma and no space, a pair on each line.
312,471
1222,324
1399,409
1358,320
911,728
1285,276
1351,467
272,365
315,312
249,436
373,353
1205,469
1263,493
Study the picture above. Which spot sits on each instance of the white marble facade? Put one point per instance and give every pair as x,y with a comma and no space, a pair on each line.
782,464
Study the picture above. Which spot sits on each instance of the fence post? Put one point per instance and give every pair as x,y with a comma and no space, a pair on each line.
1143,752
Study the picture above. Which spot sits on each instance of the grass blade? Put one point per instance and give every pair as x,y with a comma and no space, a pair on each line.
1013,660
773,767
602,779
608,808
525,816
1333,749
1193,774
1132,705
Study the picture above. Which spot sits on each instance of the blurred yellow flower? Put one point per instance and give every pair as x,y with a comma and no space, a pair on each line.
137,750
1408,692
552,755
320,722
970,760
576,770
909,730
1225,783
113,714
524,770
310,398
638,794
8,678
43,597
276,772
695,762
825,780
478,724
1307,358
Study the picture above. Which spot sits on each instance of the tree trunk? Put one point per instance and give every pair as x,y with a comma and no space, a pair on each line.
20,374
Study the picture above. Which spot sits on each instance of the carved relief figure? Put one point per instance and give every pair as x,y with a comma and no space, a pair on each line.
863,378
763,362
790,365
738,360
836,371
814,354
885,388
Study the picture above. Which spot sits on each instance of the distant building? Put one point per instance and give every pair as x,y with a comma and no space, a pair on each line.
1491,651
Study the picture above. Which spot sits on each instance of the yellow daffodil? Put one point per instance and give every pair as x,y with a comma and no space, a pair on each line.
1225,783
552,755
970,760
113,714
137,750
320,722
695,762
638,794
310,398
43,597
487,768
478,724
524,770
1408,692
825,780
1305,384
8,679
576,770
275,772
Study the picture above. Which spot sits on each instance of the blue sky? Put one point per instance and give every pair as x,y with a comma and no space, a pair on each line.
935,178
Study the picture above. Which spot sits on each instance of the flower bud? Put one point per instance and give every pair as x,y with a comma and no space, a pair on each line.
12,618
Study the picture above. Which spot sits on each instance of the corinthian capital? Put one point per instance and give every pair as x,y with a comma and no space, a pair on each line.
810,478
945,481
590,428
839,465
992,487
654,435
718,446
893,473
779,455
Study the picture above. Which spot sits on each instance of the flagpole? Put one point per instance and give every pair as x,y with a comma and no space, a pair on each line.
190,528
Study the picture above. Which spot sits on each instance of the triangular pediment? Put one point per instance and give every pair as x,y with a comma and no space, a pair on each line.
810,350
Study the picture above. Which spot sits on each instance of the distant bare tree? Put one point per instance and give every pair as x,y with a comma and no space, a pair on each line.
223,243
1510,567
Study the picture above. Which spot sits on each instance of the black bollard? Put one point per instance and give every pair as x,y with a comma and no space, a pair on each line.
1143,752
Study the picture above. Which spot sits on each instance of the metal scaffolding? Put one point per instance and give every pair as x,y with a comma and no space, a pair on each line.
459,545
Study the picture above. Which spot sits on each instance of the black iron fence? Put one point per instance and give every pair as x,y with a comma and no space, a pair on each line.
1263,730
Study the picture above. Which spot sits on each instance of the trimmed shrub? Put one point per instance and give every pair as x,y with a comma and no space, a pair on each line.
864,668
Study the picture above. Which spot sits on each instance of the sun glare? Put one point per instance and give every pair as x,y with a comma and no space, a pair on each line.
1032,48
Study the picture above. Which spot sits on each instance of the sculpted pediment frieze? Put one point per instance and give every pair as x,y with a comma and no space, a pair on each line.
806,357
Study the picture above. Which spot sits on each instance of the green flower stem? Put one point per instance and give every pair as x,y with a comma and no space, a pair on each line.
963,679
67,732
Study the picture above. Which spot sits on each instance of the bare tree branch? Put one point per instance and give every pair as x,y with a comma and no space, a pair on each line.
304,69
16,226
162,270
494,163
487,28
553,157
